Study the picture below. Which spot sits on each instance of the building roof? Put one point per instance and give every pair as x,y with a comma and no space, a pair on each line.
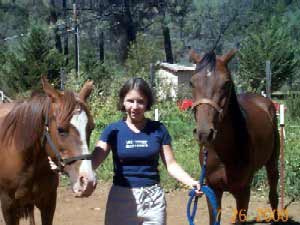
176,67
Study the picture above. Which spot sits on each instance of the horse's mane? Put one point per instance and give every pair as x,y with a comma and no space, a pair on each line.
67,107
240,126
23,126
208,60
24,123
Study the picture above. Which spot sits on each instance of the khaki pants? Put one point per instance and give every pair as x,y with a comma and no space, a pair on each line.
136,206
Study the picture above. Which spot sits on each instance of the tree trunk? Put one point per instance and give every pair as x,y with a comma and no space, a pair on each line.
53,20
127,26
66,38
167,43
101,46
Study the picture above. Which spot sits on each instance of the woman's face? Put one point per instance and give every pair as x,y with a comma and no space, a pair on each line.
135,105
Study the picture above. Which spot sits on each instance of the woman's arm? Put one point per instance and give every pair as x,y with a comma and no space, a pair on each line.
100,153
174,169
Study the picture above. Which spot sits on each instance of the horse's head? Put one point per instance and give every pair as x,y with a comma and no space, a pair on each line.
211,87
68,126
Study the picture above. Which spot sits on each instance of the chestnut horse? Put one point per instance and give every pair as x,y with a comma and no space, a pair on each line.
52,124
239,132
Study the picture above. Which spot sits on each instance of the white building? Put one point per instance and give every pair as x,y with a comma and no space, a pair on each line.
173,80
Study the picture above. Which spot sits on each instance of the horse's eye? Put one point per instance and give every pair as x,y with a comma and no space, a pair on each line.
191,84
62,131
227,85
77,111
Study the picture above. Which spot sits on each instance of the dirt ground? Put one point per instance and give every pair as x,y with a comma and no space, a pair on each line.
90,211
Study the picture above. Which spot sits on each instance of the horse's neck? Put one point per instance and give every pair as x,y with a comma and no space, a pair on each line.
232,135
28,117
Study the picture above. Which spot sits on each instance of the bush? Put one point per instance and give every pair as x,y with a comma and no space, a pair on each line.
293,106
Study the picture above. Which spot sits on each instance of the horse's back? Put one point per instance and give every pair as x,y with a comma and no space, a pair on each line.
5,108
260,115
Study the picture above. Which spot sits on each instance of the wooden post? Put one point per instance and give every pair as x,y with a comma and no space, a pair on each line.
281,114
268,78
152,75
62,78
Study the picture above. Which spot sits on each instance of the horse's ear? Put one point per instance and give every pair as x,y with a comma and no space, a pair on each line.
86,90
194,57
49,90
227,57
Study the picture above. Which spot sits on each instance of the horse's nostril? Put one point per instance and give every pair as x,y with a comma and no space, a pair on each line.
210,136
196,135
81,180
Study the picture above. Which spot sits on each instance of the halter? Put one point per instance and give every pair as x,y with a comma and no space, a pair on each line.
62,162
209,102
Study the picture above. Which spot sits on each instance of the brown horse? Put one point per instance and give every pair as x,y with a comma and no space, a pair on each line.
54,124
239,132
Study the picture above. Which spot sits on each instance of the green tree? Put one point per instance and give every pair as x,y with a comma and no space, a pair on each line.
141,54
34,57
271,42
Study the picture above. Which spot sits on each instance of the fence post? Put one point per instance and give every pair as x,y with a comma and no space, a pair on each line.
156,115
62,78
1,96
268,78
281,116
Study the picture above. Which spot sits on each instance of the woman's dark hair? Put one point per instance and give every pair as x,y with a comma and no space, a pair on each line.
140,85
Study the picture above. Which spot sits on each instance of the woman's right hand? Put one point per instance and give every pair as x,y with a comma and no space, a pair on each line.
53,166
196,185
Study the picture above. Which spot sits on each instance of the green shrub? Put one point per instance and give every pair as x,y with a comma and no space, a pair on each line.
293,106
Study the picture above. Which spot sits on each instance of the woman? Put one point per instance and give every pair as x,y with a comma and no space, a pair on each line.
136,143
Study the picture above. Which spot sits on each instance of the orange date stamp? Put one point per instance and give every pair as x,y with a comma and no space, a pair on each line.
260,215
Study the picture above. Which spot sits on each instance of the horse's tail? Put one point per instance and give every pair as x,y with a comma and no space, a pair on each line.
274,120
26,212
277,141
276,134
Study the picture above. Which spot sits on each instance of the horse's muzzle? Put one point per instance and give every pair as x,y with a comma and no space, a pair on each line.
205,137
84,187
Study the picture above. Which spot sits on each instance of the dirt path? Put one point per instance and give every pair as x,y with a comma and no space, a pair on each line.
90,211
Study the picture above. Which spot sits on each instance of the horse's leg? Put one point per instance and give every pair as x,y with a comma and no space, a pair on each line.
242,201
273,175
47,208
218,194
9,210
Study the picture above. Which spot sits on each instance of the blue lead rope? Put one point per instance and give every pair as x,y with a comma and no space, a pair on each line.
209,194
